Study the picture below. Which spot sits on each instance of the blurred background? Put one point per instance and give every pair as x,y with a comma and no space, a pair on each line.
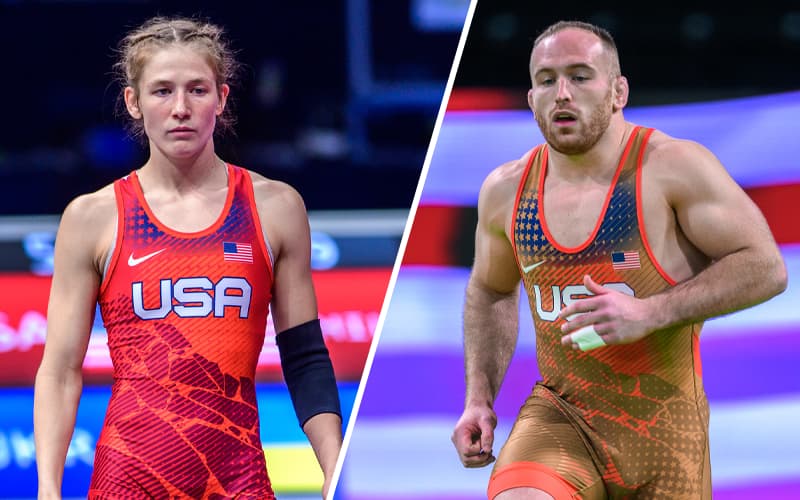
337,98
724,77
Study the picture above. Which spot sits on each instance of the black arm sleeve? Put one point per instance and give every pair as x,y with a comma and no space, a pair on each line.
308,371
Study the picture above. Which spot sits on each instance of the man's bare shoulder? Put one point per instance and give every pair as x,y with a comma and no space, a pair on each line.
676,167
676,156
502,182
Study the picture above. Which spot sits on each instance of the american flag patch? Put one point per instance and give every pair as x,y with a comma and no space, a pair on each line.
625,260
237,252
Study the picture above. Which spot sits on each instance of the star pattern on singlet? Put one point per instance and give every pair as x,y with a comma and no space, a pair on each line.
620,226
183,418
141,228
640,406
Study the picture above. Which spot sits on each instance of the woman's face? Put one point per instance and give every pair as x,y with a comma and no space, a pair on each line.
178,100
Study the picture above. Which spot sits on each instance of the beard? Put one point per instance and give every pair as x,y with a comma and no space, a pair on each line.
586,135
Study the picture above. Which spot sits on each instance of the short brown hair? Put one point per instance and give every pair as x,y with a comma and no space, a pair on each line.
601,33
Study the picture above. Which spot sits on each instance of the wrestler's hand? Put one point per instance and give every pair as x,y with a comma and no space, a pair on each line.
608,317
474,435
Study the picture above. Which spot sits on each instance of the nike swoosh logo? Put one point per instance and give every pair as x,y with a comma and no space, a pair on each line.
527,269
135,262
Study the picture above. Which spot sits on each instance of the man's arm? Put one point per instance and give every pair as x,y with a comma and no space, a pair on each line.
70,311
294,313
491,317
723,223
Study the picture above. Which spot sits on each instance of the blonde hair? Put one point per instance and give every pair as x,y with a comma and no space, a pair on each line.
206,38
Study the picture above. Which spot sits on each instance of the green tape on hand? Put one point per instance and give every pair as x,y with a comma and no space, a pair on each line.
587,338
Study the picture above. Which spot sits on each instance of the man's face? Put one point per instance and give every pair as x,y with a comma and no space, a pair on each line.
572,95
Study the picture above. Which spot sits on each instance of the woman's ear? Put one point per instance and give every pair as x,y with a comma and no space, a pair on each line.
132,103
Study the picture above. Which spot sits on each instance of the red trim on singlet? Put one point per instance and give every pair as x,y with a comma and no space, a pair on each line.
696,358
112,261
520,190
530,475
137,188
262,242
640,213
602,216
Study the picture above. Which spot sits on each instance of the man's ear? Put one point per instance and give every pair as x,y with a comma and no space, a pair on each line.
621,93
530,101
